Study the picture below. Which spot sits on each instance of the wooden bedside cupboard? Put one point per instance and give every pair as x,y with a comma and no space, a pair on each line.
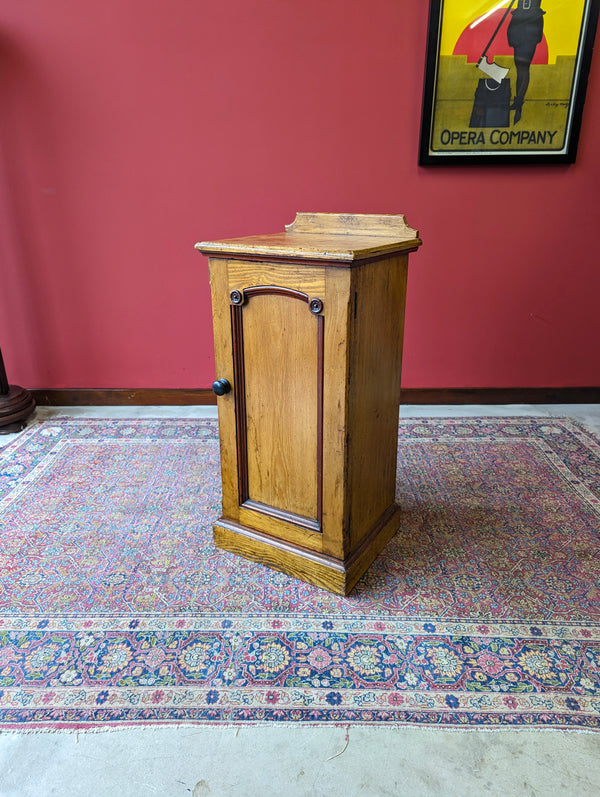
308,328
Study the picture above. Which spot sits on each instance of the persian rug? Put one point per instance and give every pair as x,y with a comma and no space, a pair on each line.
116,608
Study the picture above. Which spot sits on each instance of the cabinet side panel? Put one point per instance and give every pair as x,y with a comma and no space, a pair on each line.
374,391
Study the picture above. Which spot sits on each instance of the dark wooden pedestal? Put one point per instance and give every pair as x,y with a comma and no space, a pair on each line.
16,404
15,407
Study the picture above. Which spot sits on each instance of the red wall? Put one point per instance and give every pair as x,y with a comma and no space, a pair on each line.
131,129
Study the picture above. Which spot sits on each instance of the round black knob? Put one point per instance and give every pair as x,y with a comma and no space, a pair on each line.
220,387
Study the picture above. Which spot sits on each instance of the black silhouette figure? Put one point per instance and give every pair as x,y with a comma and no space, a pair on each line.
525,32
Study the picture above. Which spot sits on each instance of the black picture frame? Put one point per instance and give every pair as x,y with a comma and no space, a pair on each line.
475,111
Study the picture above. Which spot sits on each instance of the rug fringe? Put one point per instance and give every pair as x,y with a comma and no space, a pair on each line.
213,727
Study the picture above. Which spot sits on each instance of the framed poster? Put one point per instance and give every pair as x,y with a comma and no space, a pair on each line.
505,80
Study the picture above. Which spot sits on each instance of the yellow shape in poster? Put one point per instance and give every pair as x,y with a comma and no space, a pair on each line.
562,23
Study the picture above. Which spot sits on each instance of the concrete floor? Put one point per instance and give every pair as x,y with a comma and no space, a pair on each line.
292,761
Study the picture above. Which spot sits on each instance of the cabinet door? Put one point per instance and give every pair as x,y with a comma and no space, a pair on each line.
278,363
275,326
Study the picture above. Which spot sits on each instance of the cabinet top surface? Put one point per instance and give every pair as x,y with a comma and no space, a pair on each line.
325,236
